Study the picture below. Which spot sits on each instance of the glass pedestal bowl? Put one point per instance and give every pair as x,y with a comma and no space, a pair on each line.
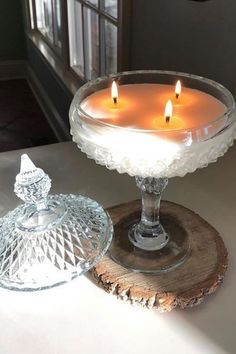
152,156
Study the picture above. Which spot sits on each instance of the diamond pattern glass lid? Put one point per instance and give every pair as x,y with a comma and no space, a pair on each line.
49,240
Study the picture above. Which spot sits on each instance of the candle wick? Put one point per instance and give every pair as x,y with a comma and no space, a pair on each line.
115,100
177,95
167,119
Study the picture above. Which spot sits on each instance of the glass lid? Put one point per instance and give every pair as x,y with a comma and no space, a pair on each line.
49,240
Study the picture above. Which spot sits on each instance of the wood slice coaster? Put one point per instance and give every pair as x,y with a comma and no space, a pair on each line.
187,285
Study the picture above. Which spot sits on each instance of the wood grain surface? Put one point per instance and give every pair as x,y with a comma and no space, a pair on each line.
186,286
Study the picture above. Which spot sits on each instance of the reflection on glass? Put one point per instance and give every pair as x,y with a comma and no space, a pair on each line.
31,14
76,36
91,43
57,22
44,18
93,2
111,7
110,47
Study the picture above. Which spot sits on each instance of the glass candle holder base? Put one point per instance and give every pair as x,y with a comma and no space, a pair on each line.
144,240
172,255
149,244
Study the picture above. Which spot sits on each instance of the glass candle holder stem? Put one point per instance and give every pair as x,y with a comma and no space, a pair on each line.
149,234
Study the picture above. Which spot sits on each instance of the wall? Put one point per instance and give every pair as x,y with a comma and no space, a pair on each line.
12,41
183,35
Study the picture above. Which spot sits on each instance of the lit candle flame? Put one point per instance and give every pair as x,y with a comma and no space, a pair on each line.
114,92
177,89
168,111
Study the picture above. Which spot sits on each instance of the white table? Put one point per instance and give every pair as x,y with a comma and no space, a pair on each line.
81,318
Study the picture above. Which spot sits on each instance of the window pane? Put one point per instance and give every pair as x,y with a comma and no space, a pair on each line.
57,22
110,47
111,7
91,43
44,18
76,36
93,2
31,14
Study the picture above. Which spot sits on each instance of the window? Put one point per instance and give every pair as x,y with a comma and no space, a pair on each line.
31,14
84,36
45,17
48,18
93,30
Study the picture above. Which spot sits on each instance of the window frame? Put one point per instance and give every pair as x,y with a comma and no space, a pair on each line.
62,57
57,51
102,16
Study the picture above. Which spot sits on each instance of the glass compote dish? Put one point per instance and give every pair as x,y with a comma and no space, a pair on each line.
151,153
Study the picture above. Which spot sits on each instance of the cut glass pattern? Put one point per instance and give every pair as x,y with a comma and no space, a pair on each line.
50,241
